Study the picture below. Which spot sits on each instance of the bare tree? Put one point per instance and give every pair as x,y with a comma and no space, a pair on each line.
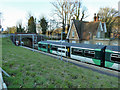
67,9
108,15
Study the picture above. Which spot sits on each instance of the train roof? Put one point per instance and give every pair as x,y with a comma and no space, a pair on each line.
92,46
113,48
75,44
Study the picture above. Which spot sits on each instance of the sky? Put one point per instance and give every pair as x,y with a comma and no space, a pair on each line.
16,11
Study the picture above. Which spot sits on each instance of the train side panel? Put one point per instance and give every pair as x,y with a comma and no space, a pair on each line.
84,55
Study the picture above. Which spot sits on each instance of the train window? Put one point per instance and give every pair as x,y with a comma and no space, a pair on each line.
115,57
54,48
90,54
40,45
77,51
44,46
61,51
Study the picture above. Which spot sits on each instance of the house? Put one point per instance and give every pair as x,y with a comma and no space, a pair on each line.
82,31
58,31
38,29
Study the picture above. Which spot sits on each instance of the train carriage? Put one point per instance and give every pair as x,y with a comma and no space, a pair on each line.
53,47
43,46
86,53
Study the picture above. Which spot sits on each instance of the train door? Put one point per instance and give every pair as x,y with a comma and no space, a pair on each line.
68,52
48,48
103,56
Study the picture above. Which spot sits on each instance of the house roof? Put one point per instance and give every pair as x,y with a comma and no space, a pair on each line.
78,26
85,28
90,28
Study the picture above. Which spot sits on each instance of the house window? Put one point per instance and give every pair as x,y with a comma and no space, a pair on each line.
73,33
73,41
98,35
99,43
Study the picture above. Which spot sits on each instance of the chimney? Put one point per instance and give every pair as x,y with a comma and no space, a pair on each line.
95,17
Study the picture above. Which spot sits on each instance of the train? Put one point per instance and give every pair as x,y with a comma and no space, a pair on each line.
100,55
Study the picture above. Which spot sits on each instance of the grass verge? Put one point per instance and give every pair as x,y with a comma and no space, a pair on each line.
34,70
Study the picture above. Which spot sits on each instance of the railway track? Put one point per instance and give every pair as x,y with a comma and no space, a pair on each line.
82,64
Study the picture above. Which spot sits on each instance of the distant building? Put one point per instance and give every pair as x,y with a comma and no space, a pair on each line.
56,32
4,32
12,29
38,29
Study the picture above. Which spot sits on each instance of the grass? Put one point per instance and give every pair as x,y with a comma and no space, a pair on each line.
34,70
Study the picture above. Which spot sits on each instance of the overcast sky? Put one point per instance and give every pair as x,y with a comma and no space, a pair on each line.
14,11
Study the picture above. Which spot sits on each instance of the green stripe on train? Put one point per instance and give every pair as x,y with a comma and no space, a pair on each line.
108,64
39,48
50,51
97,49
96,61
44,49
107,50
